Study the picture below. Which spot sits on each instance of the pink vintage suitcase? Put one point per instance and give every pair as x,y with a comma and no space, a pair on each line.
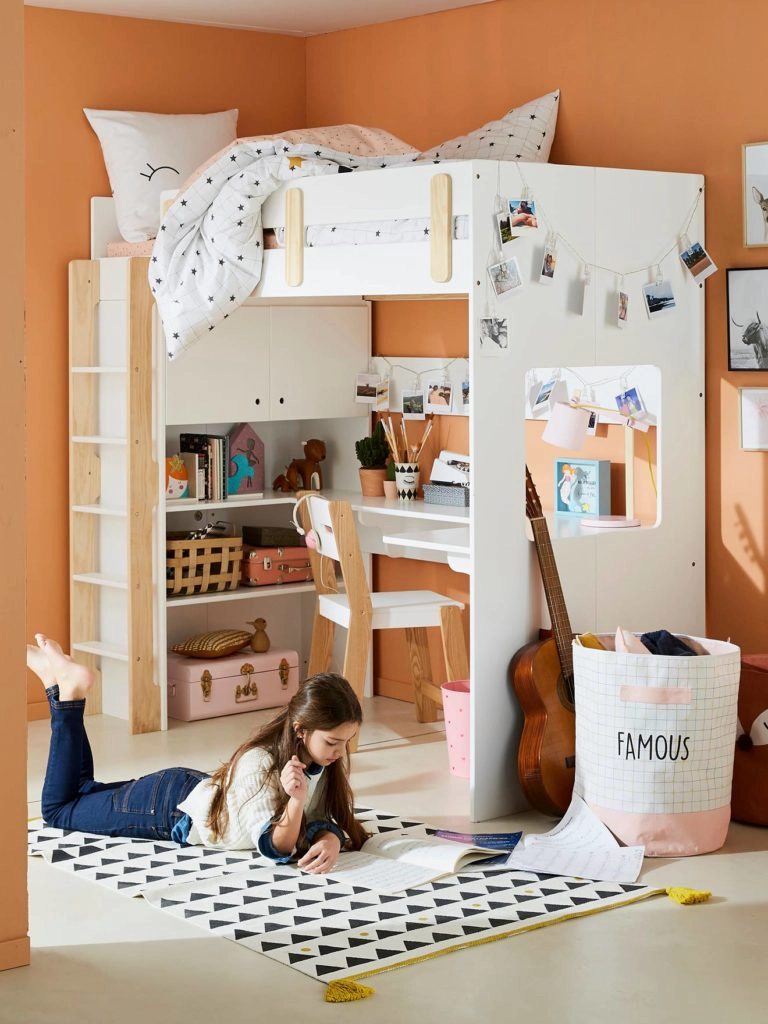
263,566
209,688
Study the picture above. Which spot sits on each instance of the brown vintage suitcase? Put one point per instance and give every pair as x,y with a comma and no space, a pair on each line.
268,566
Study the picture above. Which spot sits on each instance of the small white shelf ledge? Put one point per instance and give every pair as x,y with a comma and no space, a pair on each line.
192,504
451,541
99,369
99,439
242,594
100,579
102,650
562,527
100,510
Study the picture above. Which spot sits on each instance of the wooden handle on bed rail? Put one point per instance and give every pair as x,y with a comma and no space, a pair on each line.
294,237
441,227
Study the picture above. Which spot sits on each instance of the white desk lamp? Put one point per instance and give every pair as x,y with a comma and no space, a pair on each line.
567,428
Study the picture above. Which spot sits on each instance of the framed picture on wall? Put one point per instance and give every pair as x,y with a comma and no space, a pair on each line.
755,193
754,419
747,318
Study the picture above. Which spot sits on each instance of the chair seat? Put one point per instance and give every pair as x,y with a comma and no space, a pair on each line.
392,609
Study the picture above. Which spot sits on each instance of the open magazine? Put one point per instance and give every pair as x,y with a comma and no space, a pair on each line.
392,863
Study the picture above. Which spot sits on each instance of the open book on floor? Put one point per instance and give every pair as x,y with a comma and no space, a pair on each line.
392,863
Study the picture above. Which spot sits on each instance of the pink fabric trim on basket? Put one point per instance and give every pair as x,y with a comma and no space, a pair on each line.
656,694
669,835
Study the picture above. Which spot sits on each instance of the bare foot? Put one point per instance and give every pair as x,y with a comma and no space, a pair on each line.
37,661
74,679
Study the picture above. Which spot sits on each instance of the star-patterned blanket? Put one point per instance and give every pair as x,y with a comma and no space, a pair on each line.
208,254
326,929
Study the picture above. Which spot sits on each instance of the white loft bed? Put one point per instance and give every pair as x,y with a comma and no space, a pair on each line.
642,578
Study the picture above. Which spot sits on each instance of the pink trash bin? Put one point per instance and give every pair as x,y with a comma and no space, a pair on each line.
456,711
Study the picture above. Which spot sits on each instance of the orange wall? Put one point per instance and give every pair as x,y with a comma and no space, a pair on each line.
78,60
678,90
14,943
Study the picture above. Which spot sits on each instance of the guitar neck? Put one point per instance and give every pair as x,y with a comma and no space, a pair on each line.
558,613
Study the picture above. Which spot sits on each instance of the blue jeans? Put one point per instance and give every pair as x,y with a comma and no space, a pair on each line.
145,808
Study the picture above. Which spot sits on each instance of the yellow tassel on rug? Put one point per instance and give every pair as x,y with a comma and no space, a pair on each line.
347,991
687,896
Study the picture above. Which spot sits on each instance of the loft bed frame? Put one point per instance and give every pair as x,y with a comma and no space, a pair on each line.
611,218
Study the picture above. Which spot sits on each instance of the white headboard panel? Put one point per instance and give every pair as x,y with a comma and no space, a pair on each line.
103,225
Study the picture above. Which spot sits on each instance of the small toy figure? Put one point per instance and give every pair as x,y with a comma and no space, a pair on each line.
304,474
260,642
176,482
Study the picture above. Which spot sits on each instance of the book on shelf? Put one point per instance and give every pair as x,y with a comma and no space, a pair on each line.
392,863
195,474
198,444
212,451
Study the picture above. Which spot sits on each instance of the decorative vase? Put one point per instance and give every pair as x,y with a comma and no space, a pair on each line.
372,482
407,480
390,488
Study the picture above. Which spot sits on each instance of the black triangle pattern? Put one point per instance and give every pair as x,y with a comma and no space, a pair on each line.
291,917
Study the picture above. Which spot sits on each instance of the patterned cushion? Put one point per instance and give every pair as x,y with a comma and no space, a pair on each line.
525,133
217,644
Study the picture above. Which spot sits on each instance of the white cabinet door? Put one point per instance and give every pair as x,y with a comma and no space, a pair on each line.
223,378
315,354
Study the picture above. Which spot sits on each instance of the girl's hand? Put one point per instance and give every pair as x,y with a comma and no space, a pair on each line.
294,781
322,855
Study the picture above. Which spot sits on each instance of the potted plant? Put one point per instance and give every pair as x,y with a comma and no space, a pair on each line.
372,453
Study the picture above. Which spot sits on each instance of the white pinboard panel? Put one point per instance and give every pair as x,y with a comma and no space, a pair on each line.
656,578
544,329
104,227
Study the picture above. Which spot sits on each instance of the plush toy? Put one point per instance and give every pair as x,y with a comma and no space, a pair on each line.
304,474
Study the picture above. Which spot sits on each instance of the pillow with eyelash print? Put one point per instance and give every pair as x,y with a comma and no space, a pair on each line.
146,154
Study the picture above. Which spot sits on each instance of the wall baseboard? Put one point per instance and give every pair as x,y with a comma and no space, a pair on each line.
14,953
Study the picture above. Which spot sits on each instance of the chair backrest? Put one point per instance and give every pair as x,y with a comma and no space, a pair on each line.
322,524
334,525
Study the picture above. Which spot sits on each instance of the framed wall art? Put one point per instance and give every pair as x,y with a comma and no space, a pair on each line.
747,318
754,419
582,487
755,193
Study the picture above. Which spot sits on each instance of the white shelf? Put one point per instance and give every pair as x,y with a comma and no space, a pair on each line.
193,504
102,650
242,594
562,527
100,579
453,541
99,369
100,510
99,439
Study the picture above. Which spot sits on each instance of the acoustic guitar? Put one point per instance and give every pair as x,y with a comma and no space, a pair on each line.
542,676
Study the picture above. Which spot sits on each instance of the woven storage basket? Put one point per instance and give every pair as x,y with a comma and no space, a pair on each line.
197,566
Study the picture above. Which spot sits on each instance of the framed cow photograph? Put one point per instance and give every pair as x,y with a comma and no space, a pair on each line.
747,318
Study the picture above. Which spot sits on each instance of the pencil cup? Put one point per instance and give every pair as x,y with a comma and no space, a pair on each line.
406,480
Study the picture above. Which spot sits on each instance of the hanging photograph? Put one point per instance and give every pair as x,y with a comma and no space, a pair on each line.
439,397
465,397
522,213
754,419
413,404
365,387
622,312
659,298
755,193
747,318
548,265
505,277
494,337
629,403
503,226
698,261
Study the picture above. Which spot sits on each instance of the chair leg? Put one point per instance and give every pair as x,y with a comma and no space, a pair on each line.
356,662
454,645
321,650
427,696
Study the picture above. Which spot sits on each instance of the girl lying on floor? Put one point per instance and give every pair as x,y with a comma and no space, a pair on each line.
284,791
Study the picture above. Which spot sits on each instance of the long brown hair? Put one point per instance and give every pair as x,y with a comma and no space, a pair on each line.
324,701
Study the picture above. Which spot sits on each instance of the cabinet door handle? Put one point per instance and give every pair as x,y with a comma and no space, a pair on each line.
258,401
282,400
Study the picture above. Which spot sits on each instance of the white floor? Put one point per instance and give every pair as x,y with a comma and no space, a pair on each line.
99,957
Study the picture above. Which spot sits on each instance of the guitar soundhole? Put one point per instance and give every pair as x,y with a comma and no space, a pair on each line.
563,693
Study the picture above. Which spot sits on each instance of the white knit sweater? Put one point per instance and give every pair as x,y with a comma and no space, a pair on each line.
251,804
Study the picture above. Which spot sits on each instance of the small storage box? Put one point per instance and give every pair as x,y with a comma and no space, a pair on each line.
227,686
198,566
446,494
264,566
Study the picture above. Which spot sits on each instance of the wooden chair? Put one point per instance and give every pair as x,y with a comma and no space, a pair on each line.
359,611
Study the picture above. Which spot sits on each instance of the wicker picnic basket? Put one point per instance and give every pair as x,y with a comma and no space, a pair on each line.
199,566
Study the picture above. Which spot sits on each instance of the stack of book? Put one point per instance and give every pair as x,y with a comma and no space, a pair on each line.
206,457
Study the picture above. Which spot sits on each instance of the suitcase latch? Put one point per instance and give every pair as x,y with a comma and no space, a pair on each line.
206,682
267,562
283,670
250,690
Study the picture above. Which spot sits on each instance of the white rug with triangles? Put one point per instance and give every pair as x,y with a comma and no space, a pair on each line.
326,929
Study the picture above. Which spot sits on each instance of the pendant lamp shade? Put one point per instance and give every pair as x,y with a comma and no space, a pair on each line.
566,427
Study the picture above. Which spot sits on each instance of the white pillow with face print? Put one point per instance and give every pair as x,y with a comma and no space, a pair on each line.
146,154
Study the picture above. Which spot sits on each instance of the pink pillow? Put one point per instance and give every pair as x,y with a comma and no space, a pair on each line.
628,643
